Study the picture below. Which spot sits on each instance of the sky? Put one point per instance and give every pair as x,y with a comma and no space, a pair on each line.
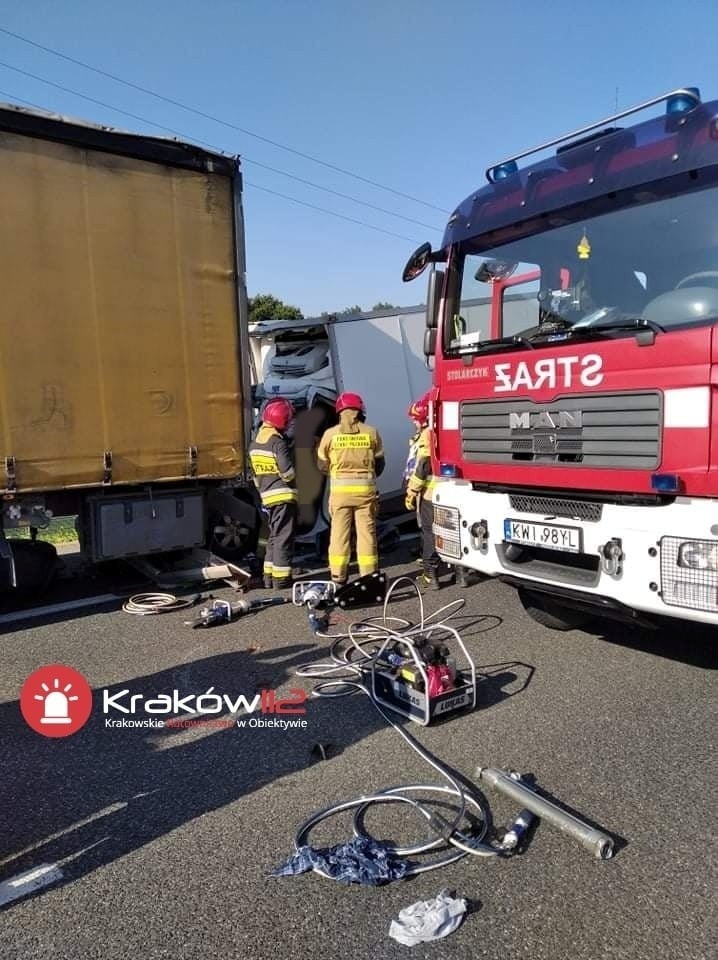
417,96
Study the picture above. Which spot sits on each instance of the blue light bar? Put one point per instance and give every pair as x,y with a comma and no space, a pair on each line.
681,103
665,482
504,170
449,470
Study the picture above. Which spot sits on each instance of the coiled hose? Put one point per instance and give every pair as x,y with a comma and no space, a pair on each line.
146,604
384,630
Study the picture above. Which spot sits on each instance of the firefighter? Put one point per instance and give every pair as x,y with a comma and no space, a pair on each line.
420,486
352,454
274,478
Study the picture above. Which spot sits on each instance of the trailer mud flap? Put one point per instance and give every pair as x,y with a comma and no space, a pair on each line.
8,576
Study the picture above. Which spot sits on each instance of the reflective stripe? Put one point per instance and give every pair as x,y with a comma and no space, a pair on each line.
350,477
430,489
365,559
278,495
355,489
268,567
280,572
352,485
338,559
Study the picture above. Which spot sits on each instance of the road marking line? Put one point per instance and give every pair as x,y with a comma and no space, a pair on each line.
105,812
53,608
28,882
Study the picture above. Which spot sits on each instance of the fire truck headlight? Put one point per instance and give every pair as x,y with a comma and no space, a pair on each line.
698,555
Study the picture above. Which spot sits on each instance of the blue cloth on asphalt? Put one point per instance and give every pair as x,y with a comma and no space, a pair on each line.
361,860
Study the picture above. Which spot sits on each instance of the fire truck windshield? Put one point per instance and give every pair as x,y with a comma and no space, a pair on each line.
653,263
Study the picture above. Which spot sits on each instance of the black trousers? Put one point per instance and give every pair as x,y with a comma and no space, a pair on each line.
281,522
428,547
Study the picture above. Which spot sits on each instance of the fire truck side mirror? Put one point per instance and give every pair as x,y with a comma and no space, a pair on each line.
429,343
417,263
492,270
433,298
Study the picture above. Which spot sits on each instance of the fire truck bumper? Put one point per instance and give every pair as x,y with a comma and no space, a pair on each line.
625,559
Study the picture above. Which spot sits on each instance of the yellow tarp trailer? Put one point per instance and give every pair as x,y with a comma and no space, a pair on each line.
120,297
125,394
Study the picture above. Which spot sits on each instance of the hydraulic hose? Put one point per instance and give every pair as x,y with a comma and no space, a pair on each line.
344,675
146,604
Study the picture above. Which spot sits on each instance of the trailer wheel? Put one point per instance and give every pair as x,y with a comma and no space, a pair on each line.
551,613
231,539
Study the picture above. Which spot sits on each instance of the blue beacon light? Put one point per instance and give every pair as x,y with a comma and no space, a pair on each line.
682,103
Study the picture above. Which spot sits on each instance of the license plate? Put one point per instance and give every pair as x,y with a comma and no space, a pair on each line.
548,535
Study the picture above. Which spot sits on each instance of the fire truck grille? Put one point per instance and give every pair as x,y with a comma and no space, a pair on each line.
619,430
556,507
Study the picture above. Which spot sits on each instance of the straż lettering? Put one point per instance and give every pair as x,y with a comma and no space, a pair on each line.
549,373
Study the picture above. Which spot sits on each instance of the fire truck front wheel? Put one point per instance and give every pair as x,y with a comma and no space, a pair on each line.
551,613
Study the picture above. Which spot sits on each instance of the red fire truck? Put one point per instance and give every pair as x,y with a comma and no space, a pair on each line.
572,317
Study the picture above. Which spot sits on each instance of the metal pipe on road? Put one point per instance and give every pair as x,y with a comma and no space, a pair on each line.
600,844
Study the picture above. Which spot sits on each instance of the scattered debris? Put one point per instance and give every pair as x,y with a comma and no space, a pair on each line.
360,860
428,920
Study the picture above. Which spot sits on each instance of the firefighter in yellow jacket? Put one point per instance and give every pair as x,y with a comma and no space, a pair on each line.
273,470
352,454
420,488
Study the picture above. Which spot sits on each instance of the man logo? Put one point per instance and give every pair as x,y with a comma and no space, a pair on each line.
547,420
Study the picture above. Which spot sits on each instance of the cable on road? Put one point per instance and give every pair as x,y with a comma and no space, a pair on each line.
446,831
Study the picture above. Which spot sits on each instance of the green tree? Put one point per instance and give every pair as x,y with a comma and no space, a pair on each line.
346,312
350,311
266,307
384,305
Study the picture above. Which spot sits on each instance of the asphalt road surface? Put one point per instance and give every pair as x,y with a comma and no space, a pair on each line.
161,841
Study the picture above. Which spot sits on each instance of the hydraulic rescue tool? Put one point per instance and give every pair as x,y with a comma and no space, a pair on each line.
413,672
511,784
222,611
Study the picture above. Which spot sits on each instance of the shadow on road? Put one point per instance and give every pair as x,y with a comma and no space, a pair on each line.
690,643
89,799
501,681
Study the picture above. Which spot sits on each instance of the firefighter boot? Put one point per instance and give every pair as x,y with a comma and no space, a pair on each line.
429,579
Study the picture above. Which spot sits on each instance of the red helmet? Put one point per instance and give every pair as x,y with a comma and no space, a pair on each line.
419,409
278,413
349,401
